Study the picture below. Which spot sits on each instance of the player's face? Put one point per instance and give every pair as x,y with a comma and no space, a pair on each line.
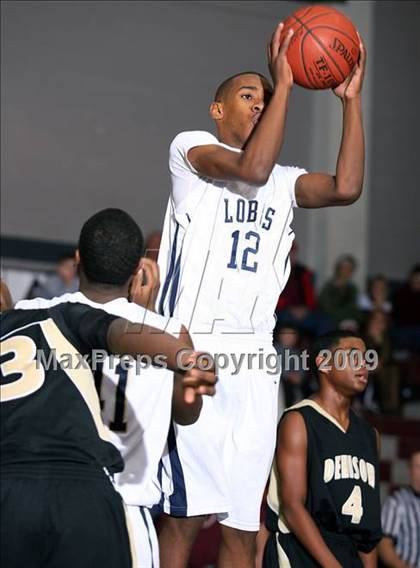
244,104
348,373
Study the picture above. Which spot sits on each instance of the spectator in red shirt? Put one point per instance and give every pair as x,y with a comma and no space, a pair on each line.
297,303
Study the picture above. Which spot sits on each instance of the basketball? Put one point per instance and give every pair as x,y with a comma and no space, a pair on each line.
324,47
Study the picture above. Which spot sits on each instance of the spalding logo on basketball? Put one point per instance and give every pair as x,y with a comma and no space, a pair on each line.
324,47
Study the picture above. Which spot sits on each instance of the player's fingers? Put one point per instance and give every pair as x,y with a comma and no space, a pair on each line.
202,360
275,39
196,378
156,273
269,51
362,56
189,395
286,42
206,391
152,274
136,284
154,269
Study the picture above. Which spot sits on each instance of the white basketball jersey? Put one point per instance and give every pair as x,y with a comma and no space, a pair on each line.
135,407
224,256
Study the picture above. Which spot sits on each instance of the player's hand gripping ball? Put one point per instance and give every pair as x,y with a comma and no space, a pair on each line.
324,47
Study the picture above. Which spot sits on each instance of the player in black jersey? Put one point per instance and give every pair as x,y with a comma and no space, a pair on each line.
323,501
59,508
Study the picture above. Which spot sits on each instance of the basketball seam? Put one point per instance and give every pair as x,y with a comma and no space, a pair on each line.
338,30
308,9
301,43
304,64
319,42
303,24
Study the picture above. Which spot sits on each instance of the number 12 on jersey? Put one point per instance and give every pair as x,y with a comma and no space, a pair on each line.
245,261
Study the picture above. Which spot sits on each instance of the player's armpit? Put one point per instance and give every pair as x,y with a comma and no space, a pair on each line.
317,190
221,164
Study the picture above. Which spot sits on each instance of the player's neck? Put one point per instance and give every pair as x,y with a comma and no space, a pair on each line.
229,139
102,293
336,404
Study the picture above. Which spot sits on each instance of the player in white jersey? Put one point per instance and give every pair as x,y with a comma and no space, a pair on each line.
224,260
137,410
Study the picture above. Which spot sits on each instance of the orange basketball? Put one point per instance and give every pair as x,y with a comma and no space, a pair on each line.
324,47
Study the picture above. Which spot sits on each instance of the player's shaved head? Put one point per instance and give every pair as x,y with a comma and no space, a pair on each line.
110,247
224,88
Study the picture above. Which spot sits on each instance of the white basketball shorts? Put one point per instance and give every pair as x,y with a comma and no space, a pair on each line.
143,535
221,463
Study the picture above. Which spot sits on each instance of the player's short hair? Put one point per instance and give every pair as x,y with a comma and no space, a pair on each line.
110,247
223,88
328,341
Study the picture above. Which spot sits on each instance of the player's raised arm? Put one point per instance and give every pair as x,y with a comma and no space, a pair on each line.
128,338
291,456
322,190
237,113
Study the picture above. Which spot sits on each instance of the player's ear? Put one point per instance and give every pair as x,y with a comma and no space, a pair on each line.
323,363
216,111
77,257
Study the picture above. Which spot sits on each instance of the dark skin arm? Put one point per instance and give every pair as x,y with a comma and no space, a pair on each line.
388,554
255,164
125,337
183,412
291,456
321,190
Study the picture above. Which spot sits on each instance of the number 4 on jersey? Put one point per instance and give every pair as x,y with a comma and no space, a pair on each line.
353,505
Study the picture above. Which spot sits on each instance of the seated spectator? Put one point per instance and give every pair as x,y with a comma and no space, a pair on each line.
338,298
296,305
384,380
406,312
64,281
376,297
294,381
400,547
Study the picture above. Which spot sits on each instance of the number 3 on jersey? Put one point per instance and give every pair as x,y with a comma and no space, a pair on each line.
353,505
23,363
253,238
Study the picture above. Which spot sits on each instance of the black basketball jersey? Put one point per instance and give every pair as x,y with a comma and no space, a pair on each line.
342,479
50,410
